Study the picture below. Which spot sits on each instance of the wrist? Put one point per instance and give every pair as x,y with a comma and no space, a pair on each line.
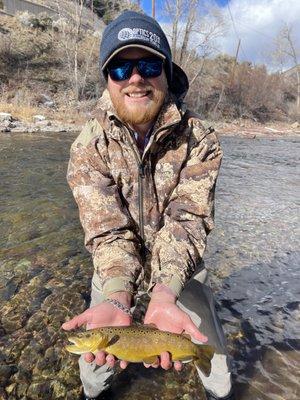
163,293
121,296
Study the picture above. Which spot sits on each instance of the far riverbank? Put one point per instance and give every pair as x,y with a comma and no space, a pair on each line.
239,128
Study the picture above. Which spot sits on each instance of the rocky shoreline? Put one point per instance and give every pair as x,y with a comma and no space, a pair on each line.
39,124
242,128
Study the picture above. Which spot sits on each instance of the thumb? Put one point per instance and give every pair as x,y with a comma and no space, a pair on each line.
192,330
75,322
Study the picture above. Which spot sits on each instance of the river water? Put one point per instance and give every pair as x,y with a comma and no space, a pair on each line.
253,255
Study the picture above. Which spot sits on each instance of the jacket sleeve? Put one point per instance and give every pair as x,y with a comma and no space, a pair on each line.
108,227
188,218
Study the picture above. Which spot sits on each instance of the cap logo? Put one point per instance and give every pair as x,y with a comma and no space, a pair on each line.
140,34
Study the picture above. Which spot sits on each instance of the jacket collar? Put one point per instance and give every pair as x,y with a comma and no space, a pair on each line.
168,116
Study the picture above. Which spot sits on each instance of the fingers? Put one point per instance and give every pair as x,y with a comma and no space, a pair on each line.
178,366
75,322
165,361
154,365
123,364
89,357
100,358
110,360
192,330
103,358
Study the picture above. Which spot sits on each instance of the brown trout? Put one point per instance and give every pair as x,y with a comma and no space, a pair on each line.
142,344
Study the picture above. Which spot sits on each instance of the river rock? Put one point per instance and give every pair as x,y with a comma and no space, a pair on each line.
40,390
5,117
43,123
295,125
38,118
45,100
4,129
25,18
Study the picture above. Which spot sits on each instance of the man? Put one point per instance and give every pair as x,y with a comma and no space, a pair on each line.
143,174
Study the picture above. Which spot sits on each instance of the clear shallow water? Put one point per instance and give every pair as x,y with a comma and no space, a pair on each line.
253,255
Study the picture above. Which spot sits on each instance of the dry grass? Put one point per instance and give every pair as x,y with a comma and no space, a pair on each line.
294,112
21,112
65,114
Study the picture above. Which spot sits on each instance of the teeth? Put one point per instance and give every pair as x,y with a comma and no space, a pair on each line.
137,94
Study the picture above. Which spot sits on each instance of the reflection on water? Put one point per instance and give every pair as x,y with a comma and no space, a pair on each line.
252,254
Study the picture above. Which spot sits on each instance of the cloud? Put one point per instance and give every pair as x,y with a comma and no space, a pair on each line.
257,23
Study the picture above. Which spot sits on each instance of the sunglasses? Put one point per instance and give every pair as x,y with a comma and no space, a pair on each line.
120,70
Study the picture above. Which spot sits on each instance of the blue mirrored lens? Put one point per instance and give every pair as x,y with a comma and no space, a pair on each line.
120,70
149,68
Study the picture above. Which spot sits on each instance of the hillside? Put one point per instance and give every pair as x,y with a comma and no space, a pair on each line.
38,62
50,66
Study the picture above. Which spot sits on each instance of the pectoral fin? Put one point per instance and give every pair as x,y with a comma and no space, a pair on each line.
150,360
183,359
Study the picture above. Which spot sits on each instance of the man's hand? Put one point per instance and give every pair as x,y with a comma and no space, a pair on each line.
103,314
167,316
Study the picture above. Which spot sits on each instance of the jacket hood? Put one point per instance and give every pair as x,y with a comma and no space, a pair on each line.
179,84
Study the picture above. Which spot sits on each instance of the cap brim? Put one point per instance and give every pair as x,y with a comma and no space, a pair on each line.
140,46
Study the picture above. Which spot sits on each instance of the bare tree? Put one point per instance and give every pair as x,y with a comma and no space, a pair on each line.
190,22
286,52
195,27
72,29
174,10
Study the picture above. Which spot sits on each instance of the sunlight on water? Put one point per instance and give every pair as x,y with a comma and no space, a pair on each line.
253,256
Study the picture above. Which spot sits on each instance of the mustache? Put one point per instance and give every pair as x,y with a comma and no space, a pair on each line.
130,89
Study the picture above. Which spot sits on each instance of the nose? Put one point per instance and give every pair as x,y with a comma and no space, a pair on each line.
135,76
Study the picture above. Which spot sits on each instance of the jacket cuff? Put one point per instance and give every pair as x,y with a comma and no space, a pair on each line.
173,282
118,284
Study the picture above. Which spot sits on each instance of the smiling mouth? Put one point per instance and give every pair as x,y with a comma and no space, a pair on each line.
138,94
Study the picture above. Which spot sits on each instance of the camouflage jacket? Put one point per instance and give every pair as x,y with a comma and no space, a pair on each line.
145,216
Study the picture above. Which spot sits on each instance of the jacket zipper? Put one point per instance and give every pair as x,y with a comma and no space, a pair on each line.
141,199
141,175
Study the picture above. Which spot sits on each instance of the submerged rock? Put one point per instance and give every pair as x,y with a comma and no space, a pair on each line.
45,272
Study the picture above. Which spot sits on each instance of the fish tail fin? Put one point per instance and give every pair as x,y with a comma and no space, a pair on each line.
203,359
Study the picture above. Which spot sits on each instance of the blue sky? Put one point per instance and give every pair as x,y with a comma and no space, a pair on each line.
147,5
255,22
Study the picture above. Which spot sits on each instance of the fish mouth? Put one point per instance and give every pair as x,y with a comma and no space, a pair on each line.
76,350
74,340
77,347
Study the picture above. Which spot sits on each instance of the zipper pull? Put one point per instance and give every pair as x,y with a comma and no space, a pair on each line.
141,171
